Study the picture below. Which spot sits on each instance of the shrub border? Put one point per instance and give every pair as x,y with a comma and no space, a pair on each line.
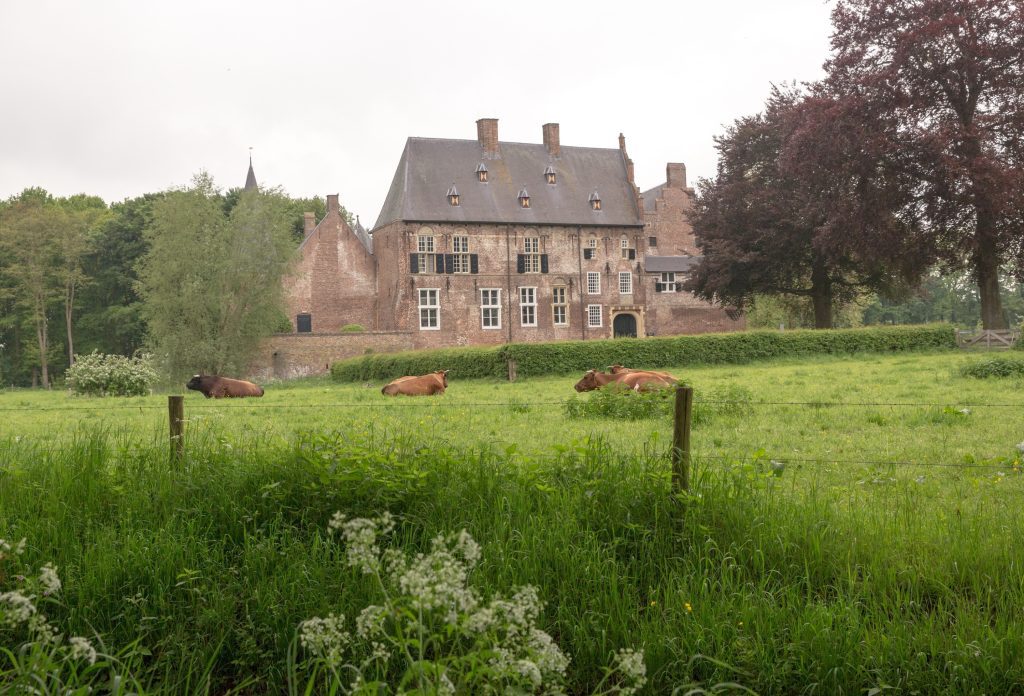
565,357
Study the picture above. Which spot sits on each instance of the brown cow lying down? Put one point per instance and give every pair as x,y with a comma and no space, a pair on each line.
424,385
619,369
636,381
216,387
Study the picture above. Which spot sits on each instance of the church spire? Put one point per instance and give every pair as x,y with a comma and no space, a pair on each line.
250,178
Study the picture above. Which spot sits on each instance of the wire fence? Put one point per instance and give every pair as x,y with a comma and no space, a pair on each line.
205,407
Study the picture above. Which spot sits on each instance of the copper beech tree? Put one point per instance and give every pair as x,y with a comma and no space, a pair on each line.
941,83
800,207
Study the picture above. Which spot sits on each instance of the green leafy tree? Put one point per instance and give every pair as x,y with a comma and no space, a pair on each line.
29,229
82,216
211,281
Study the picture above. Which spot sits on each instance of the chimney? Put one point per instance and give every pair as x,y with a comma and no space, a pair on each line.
675,175
332,203
551,141
308,223
487,134
622,142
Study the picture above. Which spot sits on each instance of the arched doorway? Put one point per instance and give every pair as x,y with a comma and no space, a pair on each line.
624,326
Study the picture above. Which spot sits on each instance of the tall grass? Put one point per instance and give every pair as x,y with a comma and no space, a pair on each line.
786,584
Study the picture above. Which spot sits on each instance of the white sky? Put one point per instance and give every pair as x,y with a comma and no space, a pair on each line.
121,98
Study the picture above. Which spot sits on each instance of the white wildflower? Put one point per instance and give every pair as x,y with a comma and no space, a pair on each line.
437,580
325,638
81,649
530,670
445,686
630,663
547,654
41,630
361,536
468,548
48,579
481,621
15,608
370,622
1020,447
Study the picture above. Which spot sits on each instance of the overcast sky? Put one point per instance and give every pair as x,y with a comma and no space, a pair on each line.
118,99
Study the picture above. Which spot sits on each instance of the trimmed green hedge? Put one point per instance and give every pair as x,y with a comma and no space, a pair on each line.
564,357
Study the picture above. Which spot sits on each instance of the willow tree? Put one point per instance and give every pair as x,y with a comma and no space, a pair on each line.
210,282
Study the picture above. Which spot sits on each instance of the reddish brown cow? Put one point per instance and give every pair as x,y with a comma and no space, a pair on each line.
619,369
216,387
636,381
424,385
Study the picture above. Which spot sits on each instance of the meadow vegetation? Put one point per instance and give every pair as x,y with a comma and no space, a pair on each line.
851,526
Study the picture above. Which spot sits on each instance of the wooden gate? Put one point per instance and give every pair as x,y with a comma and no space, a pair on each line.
989,340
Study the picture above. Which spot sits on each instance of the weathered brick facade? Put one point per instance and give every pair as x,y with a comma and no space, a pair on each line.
457,257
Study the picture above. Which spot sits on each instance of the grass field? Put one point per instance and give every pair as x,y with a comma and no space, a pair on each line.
881,550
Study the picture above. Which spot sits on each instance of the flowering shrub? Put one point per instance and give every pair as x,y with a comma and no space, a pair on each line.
97,374
33,654
442,634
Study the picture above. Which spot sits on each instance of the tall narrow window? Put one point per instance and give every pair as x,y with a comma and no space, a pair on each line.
594,316
627,251
528,306
625,283
531,249
559,306
430,309
490,308
426,258
593,283
460,254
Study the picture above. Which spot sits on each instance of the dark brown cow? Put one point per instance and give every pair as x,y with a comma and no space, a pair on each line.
214,387
636,381
619,369
424,385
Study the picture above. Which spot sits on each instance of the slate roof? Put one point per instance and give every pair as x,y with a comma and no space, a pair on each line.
668,264
250,178
650,196
429,166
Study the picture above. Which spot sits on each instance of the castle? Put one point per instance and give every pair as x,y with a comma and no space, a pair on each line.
484,242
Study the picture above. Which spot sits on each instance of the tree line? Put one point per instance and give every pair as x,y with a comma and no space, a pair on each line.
191,275
903,165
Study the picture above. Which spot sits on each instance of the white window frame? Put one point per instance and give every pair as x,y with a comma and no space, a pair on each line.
590,316
492,309
460,253
593,283
668,278
531,253
425,308
625,283
559,303
592,243
425,251
624,244
528,306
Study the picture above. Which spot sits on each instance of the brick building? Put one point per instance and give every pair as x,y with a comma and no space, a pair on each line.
483,241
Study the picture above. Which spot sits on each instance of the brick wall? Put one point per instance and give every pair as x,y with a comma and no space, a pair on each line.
287,356
668,222
334,279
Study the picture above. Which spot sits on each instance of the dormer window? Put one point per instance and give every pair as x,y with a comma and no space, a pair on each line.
595,201
453,195
481,173
524,198
549,174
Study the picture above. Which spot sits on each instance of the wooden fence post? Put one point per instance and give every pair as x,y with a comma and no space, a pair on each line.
176,416
512,366
681,439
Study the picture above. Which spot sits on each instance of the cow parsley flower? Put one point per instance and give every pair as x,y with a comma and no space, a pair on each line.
81,649
360,536
48,579
15,608
325,638
630,664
